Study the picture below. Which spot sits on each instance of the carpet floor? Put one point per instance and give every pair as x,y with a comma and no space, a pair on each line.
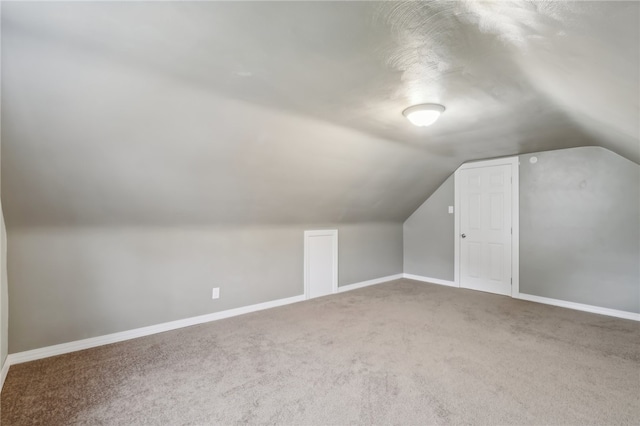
402,352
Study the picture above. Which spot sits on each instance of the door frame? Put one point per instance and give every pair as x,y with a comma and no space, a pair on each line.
333,233
514,162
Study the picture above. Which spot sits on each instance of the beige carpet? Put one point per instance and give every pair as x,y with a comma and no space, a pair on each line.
397,353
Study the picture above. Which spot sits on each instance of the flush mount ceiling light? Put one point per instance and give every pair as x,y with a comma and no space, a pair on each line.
423,115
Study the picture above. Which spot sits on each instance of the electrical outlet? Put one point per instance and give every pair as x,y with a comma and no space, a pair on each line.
450,209
215,294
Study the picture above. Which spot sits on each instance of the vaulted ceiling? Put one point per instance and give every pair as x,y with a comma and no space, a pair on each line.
195,113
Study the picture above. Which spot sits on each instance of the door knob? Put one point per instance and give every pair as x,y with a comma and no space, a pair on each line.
464,235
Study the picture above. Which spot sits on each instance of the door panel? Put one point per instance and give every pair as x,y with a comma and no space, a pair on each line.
496,210
485,229
475,266
495,261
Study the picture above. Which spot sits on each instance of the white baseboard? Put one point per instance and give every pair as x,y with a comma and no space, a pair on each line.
78,345
361,284
430,280
4,372
545,300
579,306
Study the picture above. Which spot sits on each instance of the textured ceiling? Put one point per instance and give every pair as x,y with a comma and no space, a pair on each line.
178,113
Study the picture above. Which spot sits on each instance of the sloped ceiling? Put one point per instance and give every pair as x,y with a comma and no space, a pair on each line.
180,113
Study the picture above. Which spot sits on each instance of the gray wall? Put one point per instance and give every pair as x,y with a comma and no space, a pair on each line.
579,229
4,293
69,284
428,236
129,146
368,251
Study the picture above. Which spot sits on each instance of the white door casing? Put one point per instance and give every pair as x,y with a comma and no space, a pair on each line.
486,226
320,263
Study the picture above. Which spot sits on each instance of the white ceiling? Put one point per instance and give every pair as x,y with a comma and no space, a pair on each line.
170,113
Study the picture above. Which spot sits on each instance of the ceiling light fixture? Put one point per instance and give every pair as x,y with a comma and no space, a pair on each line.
423,115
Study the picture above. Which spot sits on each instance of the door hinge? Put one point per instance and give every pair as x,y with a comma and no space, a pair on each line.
511,280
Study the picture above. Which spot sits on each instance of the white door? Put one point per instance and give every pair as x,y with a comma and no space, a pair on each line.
485,227
320,263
